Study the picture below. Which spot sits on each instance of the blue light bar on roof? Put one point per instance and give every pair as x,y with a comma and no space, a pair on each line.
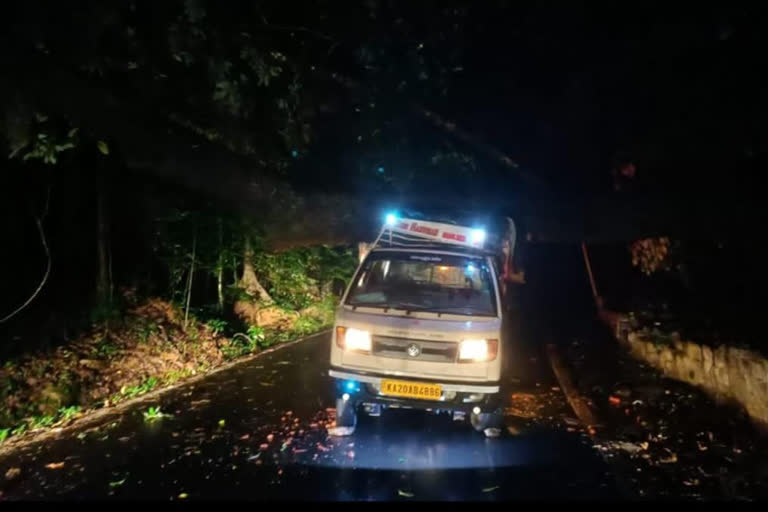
478,236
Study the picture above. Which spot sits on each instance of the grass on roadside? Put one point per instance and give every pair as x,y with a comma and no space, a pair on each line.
153,413
22,382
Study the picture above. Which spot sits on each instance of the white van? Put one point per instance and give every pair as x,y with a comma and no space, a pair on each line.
420,326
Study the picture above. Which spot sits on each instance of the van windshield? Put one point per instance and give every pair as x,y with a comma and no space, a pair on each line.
436,283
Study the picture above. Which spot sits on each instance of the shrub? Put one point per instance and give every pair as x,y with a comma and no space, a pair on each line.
217,326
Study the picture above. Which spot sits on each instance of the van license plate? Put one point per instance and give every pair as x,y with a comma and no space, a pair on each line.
411,389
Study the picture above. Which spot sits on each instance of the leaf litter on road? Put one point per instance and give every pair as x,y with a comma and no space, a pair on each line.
671,459
117,483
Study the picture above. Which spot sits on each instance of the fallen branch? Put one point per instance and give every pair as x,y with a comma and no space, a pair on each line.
455,131
473,141
577,402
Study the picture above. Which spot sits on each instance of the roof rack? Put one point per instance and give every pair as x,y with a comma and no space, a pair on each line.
419,234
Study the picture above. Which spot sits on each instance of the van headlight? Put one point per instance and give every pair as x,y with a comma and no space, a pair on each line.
477,351
353,340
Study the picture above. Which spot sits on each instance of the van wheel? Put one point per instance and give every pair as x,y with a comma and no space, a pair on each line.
346,418
486,420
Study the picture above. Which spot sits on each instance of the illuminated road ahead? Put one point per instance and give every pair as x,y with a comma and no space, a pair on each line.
256,431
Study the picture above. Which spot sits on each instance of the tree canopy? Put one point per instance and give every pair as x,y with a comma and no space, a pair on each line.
377,102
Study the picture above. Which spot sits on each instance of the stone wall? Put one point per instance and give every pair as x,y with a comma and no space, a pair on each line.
725,372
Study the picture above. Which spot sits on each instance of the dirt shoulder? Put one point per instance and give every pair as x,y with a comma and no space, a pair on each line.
102,415
670,439
149,349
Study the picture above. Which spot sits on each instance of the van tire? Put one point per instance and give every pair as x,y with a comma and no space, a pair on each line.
486,420
346,414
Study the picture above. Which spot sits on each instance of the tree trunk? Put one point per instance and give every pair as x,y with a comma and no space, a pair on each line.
249,281
189,280
103,279
220,269
110,279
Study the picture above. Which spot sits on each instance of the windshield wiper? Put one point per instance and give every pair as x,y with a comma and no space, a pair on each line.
461,311
400,305
408,307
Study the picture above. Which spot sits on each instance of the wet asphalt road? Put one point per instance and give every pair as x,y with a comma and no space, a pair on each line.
257,431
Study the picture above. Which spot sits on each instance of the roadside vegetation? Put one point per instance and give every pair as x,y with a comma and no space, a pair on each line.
143,344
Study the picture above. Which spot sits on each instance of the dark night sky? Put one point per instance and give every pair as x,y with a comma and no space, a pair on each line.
576,87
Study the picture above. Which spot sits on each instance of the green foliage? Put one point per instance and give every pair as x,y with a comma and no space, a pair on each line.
41,421
235,293
240,345
243,344
192,331
306,325
46,149
265,66
67,413
7,385
278,337
105,348
4,434
326,310
47,146
295,278
227,92
144,328
232,352
218,245
318,317
217,326
220,65
175,375
153,413
300,277
256,334
117,483
254,339
286,278
331,265
103,147
139,389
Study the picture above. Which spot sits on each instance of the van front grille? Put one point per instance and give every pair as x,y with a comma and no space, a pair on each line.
428,350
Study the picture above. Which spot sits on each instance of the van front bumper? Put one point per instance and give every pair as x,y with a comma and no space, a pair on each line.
457,395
